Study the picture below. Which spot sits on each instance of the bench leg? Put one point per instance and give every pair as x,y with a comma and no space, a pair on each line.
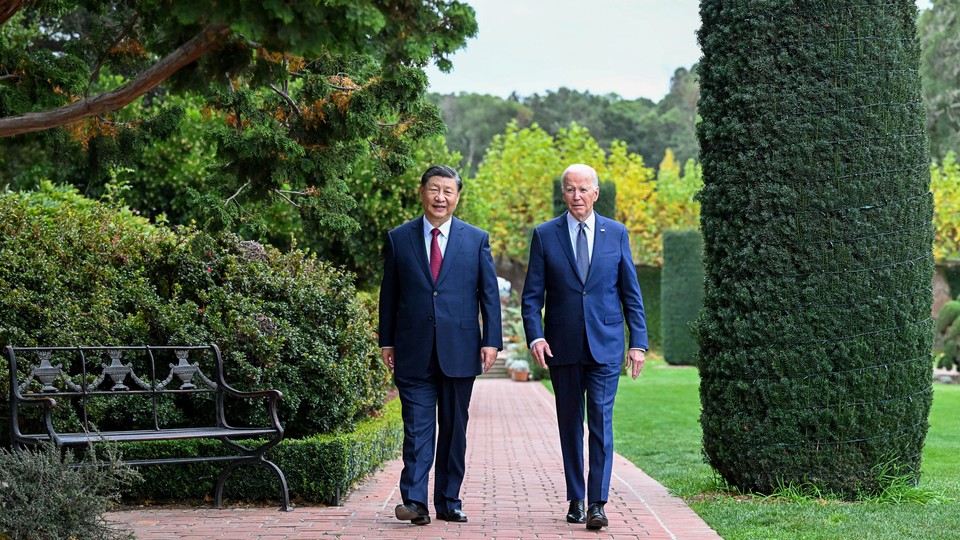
284,491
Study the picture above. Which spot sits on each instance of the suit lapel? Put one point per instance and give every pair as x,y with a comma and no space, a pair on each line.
454,241
419,247
563,236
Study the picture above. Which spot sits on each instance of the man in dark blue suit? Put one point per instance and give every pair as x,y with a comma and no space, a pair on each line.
581,264
439,281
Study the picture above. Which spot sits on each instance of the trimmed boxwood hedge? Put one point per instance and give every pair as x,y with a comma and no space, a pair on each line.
681,294
816,215
317,468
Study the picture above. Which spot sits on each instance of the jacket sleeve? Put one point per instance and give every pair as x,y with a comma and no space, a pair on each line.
388,296
489,298
534,291
630,296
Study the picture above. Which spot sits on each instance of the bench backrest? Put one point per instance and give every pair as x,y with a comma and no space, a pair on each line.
82,375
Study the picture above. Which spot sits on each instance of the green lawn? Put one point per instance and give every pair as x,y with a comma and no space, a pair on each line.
656,426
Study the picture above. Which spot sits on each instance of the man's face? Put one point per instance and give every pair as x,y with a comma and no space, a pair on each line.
439,197
579,194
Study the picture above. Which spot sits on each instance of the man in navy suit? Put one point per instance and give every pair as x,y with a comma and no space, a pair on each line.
439,281
581,264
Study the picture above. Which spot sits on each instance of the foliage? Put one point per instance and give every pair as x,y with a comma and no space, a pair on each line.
473,120
382,204
45,497
514,188
816,218
316,467
681,294
947,342
78,272
645,127
298,93
945,185
636,203
939,31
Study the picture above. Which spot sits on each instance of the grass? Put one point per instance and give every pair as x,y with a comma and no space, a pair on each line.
656,426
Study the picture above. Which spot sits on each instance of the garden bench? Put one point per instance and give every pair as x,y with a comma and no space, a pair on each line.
79,378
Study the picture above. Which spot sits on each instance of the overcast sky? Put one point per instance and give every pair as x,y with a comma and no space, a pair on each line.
628,47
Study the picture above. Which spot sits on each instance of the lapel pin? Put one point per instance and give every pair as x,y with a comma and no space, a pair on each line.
603,230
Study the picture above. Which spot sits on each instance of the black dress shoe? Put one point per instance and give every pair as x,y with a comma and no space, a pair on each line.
455,515
576,514
413,512
596,517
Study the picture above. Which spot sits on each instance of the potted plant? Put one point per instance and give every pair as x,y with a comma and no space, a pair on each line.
521,370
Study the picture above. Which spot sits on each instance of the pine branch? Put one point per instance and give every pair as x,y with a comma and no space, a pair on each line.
206,40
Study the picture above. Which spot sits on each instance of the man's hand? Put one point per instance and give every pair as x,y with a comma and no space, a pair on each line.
635,359
488,355
540,351
387,354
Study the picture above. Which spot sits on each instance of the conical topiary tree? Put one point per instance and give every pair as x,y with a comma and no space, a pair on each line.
816,214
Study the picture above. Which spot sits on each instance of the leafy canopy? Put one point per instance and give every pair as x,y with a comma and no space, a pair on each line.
301,91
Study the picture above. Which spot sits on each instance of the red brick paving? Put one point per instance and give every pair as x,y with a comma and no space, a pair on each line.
513,489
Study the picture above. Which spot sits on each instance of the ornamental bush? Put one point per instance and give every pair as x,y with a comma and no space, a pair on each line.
816,215
681,293
77,272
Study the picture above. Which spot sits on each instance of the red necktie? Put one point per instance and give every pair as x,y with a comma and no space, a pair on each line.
435,257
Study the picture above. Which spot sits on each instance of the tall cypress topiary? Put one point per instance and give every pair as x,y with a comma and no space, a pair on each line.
816,214
681,293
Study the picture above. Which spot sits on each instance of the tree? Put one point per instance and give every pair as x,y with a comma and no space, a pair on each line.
815,337
302,90
474,119
939,31
945,185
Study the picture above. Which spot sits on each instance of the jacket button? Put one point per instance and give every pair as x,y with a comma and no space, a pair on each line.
435,293
584,293
430,318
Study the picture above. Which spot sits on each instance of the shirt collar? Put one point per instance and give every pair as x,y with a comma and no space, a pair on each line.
444,227
590,221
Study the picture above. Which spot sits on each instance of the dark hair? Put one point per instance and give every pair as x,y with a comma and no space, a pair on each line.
445,172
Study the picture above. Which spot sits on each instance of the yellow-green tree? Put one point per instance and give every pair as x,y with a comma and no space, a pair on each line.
945,184
514,188
636,203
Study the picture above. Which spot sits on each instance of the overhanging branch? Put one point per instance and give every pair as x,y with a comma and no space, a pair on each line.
8,8
210,37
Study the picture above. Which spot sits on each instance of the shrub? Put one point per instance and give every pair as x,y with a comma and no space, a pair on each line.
947,342
681,294
77,272
43,496
816,216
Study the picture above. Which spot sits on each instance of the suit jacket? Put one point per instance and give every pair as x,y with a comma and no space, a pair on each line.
598,307
413,309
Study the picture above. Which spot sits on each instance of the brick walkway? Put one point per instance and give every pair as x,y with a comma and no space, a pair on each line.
513,489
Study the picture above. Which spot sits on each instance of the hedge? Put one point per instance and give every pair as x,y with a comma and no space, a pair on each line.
816,216
318,468
681,294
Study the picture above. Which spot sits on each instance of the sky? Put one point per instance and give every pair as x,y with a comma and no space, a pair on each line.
627,47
